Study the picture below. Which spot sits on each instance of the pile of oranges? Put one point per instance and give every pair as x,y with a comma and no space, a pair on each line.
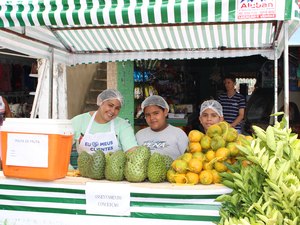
207,155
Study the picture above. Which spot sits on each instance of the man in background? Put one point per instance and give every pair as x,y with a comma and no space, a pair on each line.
233,104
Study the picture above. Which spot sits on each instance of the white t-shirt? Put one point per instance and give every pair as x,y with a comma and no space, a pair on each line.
171,141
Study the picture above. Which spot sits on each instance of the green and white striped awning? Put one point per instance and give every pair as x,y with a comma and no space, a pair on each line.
88,31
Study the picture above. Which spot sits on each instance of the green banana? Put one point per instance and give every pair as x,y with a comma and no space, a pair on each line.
271,142
228,183
260,133
267,191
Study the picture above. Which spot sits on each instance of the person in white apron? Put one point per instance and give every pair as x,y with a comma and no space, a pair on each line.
103,130
104,141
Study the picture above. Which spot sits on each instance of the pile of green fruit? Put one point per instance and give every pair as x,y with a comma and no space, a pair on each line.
267,190
134,166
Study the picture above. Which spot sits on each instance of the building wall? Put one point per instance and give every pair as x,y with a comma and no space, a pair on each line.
112,75
119,76
78,81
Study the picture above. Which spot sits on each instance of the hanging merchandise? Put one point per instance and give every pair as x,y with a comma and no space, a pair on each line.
167,78
138,92
5,77
16,84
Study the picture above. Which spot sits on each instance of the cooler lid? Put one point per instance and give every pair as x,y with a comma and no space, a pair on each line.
44,126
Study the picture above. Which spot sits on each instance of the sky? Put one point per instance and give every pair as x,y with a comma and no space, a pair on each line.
295,39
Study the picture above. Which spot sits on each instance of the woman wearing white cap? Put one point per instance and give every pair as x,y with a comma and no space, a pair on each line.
211,112
160,136
103,129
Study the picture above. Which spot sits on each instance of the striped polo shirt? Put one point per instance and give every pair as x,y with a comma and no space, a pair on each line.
231,106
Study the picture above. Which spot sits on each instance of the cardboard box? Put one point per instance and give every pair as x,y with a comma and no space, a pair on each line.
36,148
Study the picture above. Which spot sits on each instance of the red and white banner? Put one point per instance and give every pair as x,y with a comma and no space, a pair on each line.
256,9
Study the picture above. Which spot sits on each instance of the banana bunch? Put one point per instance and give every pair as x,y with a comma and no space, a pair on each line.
267,190
146,91
149,90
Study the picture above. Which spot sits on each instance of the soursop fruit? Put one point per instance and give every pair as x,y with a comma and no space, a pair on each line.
157,169
168,161
97,166
136,164
115,164
84,161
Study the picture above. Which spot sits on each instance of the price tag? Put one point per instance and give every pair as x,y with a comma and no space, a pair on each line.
107,198
27,150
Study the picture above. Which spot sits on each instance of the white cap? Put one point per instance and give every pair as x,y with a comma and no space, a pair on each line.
155,100
212,104
109,94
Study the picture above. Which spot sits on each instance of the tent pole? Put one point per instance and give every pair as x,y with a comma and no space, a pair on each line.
275,81
51,84
286,72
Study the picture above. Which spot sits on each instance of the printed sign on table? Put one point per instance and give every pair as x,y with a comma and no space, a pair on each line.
107,198
256,9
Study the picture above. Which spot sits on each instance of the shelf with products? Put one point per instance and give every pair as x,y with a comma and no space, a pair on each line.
167,79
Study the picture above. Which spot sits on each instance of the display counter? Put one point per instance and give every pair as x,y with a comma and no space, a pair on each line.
63,202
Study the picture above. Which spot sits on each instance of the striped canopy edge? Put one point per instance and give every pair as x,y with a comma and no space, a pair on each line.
14,13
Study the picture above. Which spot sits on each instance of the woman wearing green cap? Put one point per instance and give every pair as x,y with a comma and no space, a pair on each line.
160,136
103,129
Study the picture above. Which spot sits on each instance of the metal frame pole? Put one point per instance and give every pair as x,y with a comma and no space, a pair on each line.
286,72
51,69
275,81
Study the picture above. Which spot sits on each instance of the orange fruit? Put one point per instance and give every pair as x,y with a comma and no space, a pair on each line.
222,154
245,163
171,175
234,151
220,167
207,166
199,156
209,155
217,142
187,156
206,177
195,147
216,177
231,135
179,165
195,135
192,178
213,130
180,178
249,138
240,137
195,165
205,142
229,160
224,126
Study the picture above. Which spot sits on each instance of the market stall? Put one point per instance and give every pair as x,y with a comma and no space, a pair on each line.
71,33
64,202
